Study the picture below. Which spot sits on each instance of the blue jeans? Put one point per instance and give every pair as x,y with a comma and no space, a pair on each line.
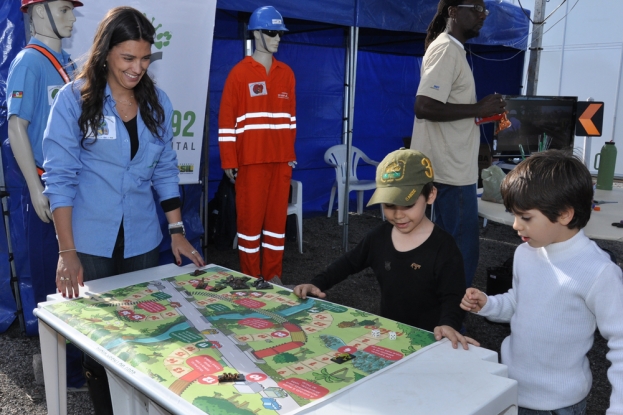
96,267
456,211
577,409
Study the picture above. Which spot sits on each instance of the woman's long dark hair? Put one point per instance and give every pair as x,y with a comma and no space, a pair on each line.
119,25
439,22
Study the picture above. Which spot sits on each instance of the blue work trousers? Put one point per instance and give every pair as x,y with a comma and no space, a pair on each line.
456,211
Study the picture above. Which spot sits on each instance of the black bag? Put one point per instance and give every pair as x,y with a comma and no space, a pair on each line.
500,279
222,217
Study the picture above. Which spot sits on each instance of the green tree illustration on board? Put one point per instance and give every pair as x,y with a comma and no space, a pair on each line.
333,377
285,358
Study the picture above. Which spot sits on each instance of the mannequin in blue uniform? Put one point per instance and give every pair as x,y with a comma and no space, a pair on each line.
32,84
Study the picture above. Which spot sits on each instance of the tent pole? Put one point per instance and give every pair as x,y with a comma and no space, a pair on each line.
203,205
352,72
345,129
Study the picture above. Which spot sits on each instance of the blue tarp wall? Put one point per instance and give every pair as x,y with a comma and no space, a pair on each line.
11,41
391,45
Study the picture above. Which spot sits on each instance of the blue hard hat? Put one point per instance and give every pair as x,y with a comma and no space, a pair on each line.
267,18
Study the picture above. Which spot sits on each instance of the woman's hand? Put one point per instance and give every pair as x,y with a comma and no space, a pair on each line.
181,246
69,274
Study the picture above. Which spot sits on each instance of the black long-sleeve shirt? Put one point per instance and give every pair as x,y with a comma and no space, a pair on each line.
422,287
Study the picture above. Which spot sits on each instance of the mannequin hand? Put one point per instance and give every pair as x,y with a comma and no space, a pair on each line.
181,246
41,204
231,174
69,274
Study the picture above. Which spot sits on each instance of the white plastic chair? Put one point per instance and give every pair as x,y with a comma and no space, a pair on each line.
336,157
295,207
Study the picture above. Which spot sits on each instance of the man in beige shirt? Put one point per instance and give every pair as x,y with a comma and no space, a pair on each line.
444,128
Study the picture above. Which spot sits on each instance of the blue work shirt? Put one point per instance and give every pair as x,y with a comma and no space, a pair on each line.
31,86
101,182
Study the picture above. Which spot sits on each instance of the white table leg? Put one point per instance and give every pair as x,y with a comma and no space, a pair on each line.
54,369
128,401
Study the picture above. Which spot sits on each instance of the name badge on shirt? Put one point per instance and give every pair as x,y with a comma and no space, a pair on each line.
107,129
52,91
258,88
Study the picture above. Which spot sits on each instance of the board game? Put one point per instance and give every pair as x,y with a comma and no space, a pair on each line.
231,344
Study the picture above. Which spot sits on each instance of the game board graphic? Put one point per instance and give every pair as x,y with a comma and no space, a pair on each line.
229,347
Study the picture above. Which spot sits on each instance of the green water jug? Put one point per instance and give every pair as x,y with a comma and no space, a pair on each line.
605,167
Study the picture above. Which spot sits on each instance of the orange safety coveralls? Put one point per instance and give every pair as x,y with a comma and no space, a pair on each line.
257,129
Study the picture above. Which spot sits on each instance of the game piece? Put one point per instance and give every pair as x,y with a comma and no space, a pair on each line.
231,377
392,335
343,358
218,287
201,285
237,284
262,284
376,333
197,272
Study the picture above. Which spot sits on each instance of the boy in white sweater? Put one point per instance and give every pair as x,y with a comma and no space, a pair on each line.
564,287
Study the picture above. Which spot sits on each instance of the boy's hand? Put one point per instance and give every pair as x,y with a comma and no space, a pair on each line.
302,290
454,336
473,300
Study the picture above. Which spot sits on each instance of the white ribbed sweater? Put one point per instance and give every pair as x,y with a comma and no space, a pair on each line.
560,294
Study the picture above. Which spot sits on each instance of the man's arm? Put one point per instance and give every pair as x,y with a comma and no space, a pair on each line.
427,108
22,150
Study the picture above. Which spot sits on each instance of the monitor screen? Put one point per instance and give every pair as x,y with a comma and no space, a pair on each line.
537,123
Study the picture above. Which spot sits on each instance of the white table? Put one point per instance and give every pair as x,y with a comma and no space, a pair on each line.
440,380
598,227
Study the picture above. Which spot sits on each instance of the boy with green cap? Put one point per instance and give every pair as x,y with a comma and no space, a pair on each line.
417,264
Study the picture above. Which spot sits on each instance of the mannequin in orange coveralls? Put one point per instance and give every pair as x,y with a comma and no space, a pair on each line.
257,129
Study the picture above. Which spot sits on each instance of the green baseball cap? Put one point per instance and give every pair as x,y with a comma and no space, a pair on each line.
401,176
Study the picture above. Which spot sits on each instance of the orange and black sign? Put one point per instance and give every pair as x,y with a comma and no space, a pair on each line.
590,119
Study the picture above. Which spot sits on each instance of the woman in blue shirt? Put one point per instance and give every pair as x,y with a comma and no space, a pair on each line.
108,140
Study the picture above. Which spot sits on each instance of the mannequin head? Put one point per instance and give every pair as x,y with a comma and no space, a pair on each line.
266,43
51,19
267,26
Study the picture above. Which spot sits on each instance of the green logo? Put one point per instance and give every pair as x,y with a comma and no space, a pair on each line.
161,40
393,172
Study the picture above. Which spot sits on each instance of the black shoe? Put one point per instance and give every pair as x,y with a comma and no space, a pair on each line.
97,382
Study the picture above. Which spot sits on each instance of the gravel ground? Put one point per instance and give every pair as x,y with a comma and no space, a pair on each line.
322,242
